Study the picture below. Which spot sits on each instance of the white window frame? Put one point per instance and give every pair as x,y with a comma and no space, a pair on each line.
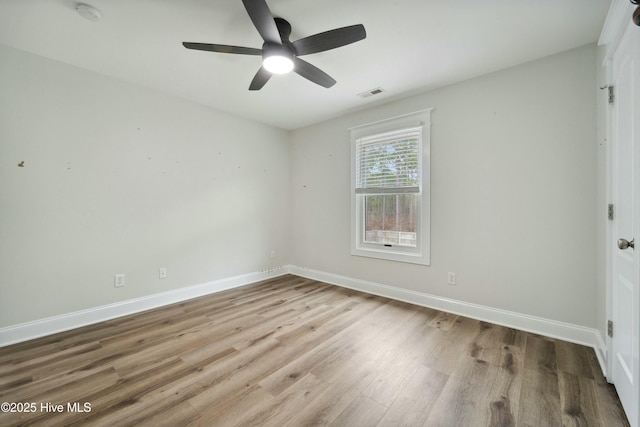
421,254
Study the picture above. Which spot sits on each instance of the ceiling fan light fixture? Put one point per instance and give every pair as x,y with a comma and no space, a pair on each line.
277,64
277,59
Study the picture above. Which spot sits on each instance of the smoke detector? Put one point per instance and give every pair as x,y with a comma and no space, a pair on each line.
88,12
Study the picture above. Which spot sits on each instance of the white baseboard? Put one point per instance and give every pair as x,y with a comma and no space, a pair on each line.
51,325
550,328
600,348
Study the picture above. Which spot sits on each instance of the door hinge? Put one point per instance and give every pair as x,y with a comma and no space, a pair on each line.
610,328
610,212
610,92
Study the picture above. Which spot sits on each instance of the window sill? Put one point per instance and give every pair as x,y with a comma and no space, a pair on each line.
391,255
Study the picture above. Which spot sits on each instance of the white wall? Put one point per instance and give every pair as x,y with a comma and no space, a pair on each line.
119,179
513,204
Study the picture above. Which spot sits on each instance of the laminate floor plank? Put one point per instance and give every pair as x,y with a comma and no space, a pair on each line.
128,394
540,354
371,342
505,391
149,334
444,350
239,332
232,375
484,345
403,359
347,385
464,398
216,338
335,350
540,392
292,351
443,321
34,389
391,380
577,398
611,413
573,358
280,408
236,411
73,391
415,401
362,412
51,364
182,414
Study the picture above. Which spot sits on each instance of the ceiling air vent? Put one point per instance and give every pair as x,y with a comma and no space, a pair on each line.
371,92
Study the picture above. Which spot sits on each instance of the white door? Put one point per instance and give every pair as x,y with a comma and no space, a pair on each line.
625,261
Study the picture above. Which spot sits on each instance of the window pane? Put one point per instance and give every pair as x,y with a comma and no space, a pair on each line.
393,163
390,219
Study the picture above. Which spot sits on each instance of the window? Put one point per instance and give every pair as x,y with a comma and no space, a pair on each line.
390,189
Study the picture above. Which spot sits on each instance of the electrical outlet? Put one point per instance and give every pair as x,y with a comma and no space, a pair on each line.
451,278
163,273
118,281
272,254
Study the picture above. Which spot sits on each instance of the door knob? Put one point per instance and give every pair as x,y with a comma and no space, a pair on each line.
624,244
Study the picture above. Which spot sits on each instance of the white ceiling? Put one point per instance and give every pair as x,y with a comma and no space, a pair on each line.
411,46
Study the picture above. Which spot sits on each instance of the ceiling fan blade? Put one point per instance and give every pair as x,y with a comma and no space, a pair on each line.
313,73
263,20
260,79
223,48
330,39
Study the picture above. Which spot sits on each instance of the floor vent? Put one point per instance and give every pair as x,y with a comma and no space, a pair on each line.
272,269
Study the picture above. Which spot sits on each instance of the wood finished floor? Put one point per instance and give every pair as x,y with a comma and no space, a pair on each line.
296,352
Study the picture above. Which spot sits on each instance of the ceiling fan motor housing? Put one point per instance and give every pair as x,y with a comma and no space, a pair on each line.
284,28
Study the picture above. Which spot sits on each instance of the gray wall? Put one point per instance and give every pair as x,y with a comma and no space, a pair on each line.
120,179
513,202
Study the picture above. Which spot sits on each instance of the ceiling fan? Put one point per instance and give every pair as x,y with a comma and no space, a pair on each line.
279,55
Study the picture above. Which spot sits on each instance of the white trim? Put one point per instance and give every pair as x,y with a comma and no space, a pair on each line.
51,325
617,21
421,253
618,17
608,70
551,328
628,391
601,353
361,130
538,325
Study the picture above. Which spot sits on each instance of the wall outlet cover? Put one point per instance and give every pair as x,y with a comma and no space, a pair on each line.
451,278
118,281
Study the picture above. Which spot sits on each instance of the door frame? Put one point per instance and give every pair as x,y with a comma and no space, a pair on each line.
617,22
